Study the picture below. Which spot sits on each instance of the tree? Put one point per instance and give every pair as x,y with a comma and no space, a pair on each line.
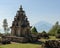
53,30
44,32
34,30
5,26
45,35
58,33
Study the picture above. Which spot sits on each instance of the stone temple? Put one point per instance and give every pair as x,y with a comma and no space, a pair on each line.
20,29
20,26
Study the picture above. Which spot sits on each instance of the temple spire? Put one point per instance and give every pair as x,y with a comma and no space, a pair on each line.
20,6
21,9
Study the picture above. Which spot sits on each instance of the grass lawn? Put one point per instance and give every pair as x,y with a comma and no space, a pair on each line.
20,45
50,38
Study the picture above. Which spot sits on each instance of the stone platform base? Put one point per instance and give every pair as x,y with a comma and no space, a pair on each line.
15,39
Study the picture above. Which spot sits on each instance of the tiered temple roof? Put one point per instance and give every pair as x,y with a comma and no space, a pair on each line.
20,25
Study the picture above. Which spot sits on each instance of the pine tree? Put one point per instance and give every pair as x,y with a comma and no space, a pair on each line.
34,30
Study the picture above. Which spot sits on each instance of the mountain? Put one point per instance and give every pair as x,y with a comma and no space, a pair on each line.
43,26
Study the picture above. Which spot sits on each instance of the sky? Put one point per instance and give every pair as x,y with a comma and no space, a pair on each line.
36,10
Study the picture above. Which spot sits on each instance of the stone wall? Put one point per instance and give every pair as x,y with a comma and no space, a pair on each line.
15,39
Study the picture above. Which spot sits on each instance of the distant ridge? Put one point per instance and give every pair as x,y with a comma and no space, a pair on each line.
42,25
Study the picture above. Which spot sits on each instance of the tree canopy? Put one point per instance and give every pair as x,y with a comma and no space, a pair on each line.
34,30
53,30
